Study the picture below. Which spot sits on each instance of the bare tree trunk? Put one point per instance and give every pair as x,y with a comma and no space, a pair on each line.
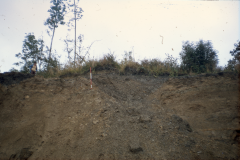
75,34
39,63
51,42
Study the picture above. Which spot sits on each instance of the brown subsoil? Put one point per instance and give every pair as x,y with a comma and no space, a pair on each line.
122,117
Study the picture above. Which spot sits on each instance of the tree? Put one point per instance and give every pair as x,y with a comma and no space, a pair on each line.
128,56
198,58
232,63
57,12
31,52
41,52
82,51
68,48
77,15
187,56
52,63
80,57
170,61
13,70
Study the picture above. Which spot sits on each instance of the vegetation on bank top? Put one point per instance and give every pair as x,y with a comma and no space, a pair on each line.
194,59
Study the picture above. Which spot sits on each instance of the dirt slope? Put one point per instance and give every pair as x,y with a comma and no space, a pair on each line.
122,117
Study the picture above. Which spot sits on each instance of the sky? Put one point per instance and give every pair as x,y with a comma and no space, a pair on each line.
149,28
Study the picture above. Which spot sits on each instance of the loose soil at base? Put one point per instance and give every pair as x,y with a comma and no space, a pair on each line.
121,117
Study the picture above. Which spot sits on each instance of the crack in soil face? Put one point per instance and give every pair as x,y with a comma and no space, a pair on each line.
122,117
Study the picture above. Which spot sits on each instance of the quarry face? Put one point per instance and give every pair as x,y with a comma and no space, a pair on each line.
122,117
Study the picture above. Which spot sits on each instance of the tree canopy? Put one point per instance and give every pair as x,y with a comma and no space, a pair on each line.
57,11
199,57
72,7
31,51
232,63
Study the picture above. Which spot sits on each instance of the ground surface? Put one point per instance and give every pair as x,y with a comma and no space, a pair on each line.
122,117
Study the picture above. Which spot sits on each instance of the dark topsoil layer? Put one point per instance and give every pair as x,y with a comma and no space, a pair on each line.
9,78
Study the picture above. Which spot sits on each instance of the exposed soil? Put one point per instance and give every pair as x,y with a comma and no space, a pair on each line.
122,117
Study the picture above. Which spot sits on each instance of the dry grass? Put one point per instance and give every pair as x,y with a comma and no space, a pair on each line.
154,67
129,64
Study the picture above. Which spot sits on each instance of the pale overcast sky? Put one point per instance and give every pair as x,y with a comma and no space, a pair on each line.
121,25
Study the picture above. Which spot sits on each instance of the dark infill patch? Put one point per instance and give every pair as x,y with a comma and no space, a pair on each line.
183,125
12,157
132,112
228,74
190,143
221,73
24,155
164,74
101,157
208,75
69,75
237,136
102,81
182,74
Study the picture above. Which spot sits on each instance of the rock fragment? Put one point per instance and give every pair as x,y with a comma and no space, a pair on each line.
144,119
104,135
95,121
135,148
